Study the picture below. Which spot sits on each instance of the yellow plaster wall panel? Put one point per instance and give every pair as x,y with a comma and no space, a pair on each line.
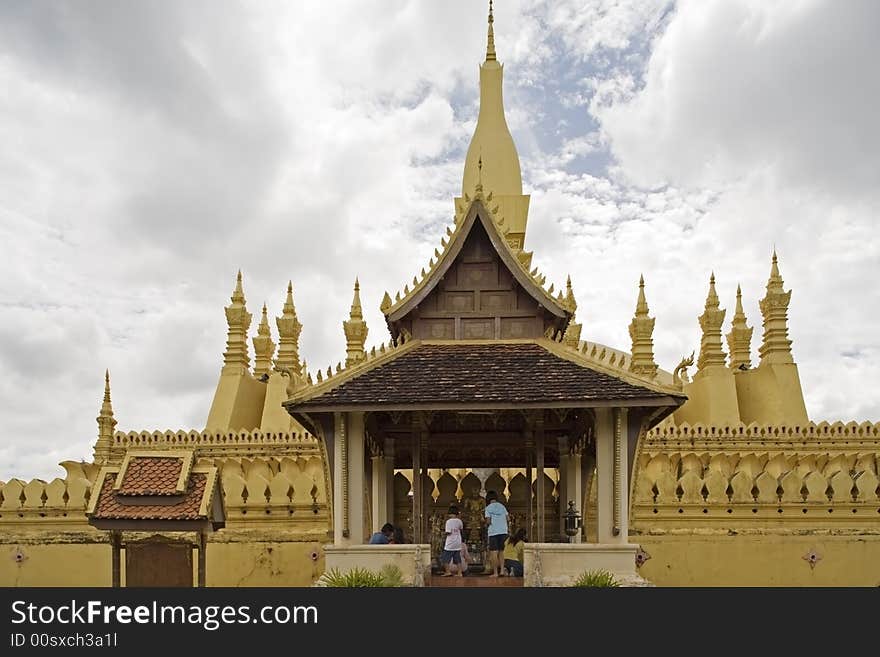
761,560
32,563
252,562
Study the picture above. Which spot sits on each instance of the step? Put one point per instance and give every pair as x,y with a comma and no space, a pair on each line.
474,581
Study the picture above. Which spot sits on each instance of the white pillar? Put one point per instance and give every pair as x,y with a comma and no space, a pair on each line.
605,474
380,492
356,478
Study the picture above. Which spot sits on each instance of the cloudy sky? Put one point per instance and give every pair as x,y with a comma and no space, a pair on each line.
148,150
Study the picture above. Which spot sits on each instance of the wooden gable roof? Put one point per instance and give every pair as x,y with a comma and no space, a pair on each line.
479,219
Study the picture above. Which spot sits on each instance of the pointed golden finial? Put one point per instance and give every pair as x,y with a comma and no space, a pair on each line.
713,295
106,425
356,310
386,303
570,301
740,337
641,302
238,292
490,43
264,347
107,406
641,330
355,329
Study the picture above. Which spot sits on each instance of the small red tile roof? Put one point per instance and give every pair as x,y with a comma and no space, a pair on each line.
113,505
151,475
479,373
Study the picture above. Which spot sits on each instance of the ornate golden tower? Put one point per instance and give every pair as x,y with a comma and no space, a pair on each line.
106,425
739,340
355,330
264,347
640,330
711,348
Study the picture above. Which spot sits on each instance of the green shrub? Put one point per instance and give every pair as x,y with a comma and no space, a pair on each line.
596,578
389,576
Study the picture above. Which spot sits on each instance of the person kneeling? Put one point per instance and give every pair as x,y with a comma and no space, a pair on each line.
513,553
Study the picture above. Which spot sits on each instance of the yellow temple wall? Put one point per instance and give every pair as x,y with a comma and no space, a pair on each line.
241,558
743,505
761,559
36,559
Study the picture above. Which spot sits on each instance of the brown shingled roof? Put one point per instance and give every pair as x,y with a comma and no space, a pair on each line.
151,475
113,505
480,374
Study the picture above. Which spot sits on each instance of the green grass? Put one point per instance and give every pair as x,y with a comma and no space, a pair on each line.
595,578
389,576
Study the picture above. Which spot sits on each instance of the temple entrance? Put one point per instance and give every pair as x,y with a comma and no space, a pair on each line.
467,488
534,461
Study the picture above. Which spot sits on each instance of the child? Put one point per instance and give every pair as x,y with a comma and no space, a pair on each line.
452,547
513,553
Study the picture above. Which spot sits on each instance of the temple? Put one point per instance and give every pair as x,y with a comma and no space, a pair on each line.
484,381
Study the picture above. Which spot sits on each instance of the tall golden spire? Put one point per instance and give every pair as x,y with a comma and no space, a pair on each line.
238,319
264,347
490,43
289,329
641,329
355,329
711,347
492,146
775,346
106,425
739,340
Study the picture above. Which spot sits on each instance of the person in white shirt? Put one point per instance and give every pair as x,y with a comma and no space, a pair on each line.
451,557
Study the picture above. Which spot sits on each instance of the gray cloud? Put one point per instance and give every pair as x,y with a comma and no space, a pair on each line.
152,149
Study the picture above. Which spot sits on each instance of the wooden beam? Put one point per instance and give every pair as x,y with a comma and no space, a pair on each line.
203,544
417,478
539,449
530,520
115,569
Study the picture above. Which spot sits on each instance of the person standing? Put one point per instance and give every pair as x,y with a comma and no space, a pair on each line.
497,517
452,546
